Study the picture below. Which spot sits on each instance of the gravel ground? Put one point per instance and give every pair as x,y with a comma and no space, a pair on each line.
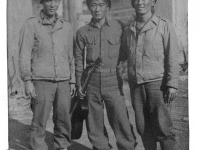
20,119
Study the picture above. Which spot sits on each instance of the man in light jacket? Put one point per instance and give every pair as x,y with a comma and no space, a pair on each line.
150,45
47,68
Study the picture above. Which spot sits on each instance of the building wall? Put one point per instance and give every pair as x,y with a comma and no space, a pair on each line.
180,19
18,12
164,9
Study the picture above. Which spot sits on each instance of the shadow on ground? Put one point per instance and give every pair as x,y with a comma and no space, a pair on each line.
19,137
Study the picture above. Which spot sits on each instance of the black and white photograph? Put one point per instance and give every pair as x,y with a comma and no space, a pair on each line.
99,75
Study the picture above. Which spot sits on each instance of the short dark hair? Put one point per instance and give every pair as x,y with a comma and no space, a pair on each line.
41,1
133,5
107,1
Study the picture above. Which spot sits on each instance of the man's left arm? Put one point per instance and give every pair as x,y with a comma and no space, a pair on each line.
171,61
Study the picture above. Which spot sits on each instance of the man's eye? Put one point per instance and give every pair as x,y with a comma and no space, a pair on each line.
93,5
102,5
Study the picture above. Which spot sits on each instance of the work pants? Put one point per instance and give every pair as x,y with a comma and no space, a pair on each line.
152,115
104,89
48,94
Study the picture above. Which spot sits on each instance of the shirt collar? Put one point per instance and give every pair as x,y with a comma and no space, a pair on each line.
92,25
153,22
45,19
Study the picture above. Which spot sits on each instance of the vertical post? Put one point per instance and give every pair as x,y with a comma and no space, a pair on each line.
72,13
72,10
66,9
79,8
174,12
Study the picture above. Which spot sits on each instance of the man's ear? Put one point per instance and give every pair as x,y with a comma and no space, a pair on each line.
108,8
132,3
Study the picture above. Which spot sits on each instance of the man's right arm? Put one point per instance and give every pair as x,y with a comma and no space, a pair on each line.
123,56
26,43
78,55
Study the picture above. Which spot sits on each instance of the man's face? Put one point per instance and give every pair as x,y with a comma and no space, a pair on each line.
142,7
50,6
98,9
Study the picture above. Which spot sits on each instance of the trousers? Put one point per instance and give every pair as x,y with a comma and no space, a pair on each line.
50,94
152,115
103,90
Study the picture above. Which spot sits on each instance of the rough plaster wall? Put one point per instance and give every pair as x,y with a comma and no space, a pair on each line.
18,12
181,23
164,9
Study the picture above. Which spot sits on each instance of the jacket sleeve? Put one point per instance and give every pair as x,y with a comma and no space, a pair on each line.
26,43
122,62
79,50
171,56
71,57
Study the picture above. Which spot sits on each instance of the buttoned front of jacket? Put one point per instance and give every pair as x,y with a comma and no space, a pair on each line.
99,42
152,54
46,52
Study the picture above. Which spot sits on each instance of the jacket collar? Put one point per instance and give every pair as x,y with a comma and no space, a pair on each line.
153,22
44,20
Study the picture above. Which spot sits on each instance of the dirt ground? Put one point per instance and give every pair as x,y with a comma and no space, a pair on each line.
20,119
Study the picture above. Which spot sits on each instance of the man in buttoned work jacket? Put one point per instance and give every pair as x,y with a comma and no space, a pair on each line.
47,68
151,48
101,37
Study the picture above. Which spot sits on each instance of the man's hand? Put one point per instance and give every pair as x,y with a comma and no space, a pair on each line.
30,89
170,94
72,89
80,94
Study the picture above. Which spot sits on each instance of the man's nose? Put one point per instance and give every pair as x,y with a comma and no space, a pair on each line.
98,8
140,1
52,3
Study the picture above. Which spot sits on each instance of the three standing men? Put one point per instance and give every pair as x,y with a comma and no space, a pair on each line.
101,38
151,47
47,68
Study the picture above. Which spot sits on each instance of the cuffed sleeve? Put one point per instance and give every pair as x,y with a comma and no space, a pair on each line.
79,50
171,60
26,43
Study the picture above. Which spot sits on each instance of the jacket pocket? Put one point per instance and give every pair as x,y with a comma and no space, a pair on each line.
157,51
113,47
37,49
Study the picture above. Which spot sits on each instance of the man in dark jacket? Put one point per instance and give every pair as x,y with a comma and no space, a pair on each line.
101,38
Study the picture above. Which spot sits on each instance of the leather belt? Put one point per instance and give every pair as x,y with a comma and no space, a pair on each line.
105,70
